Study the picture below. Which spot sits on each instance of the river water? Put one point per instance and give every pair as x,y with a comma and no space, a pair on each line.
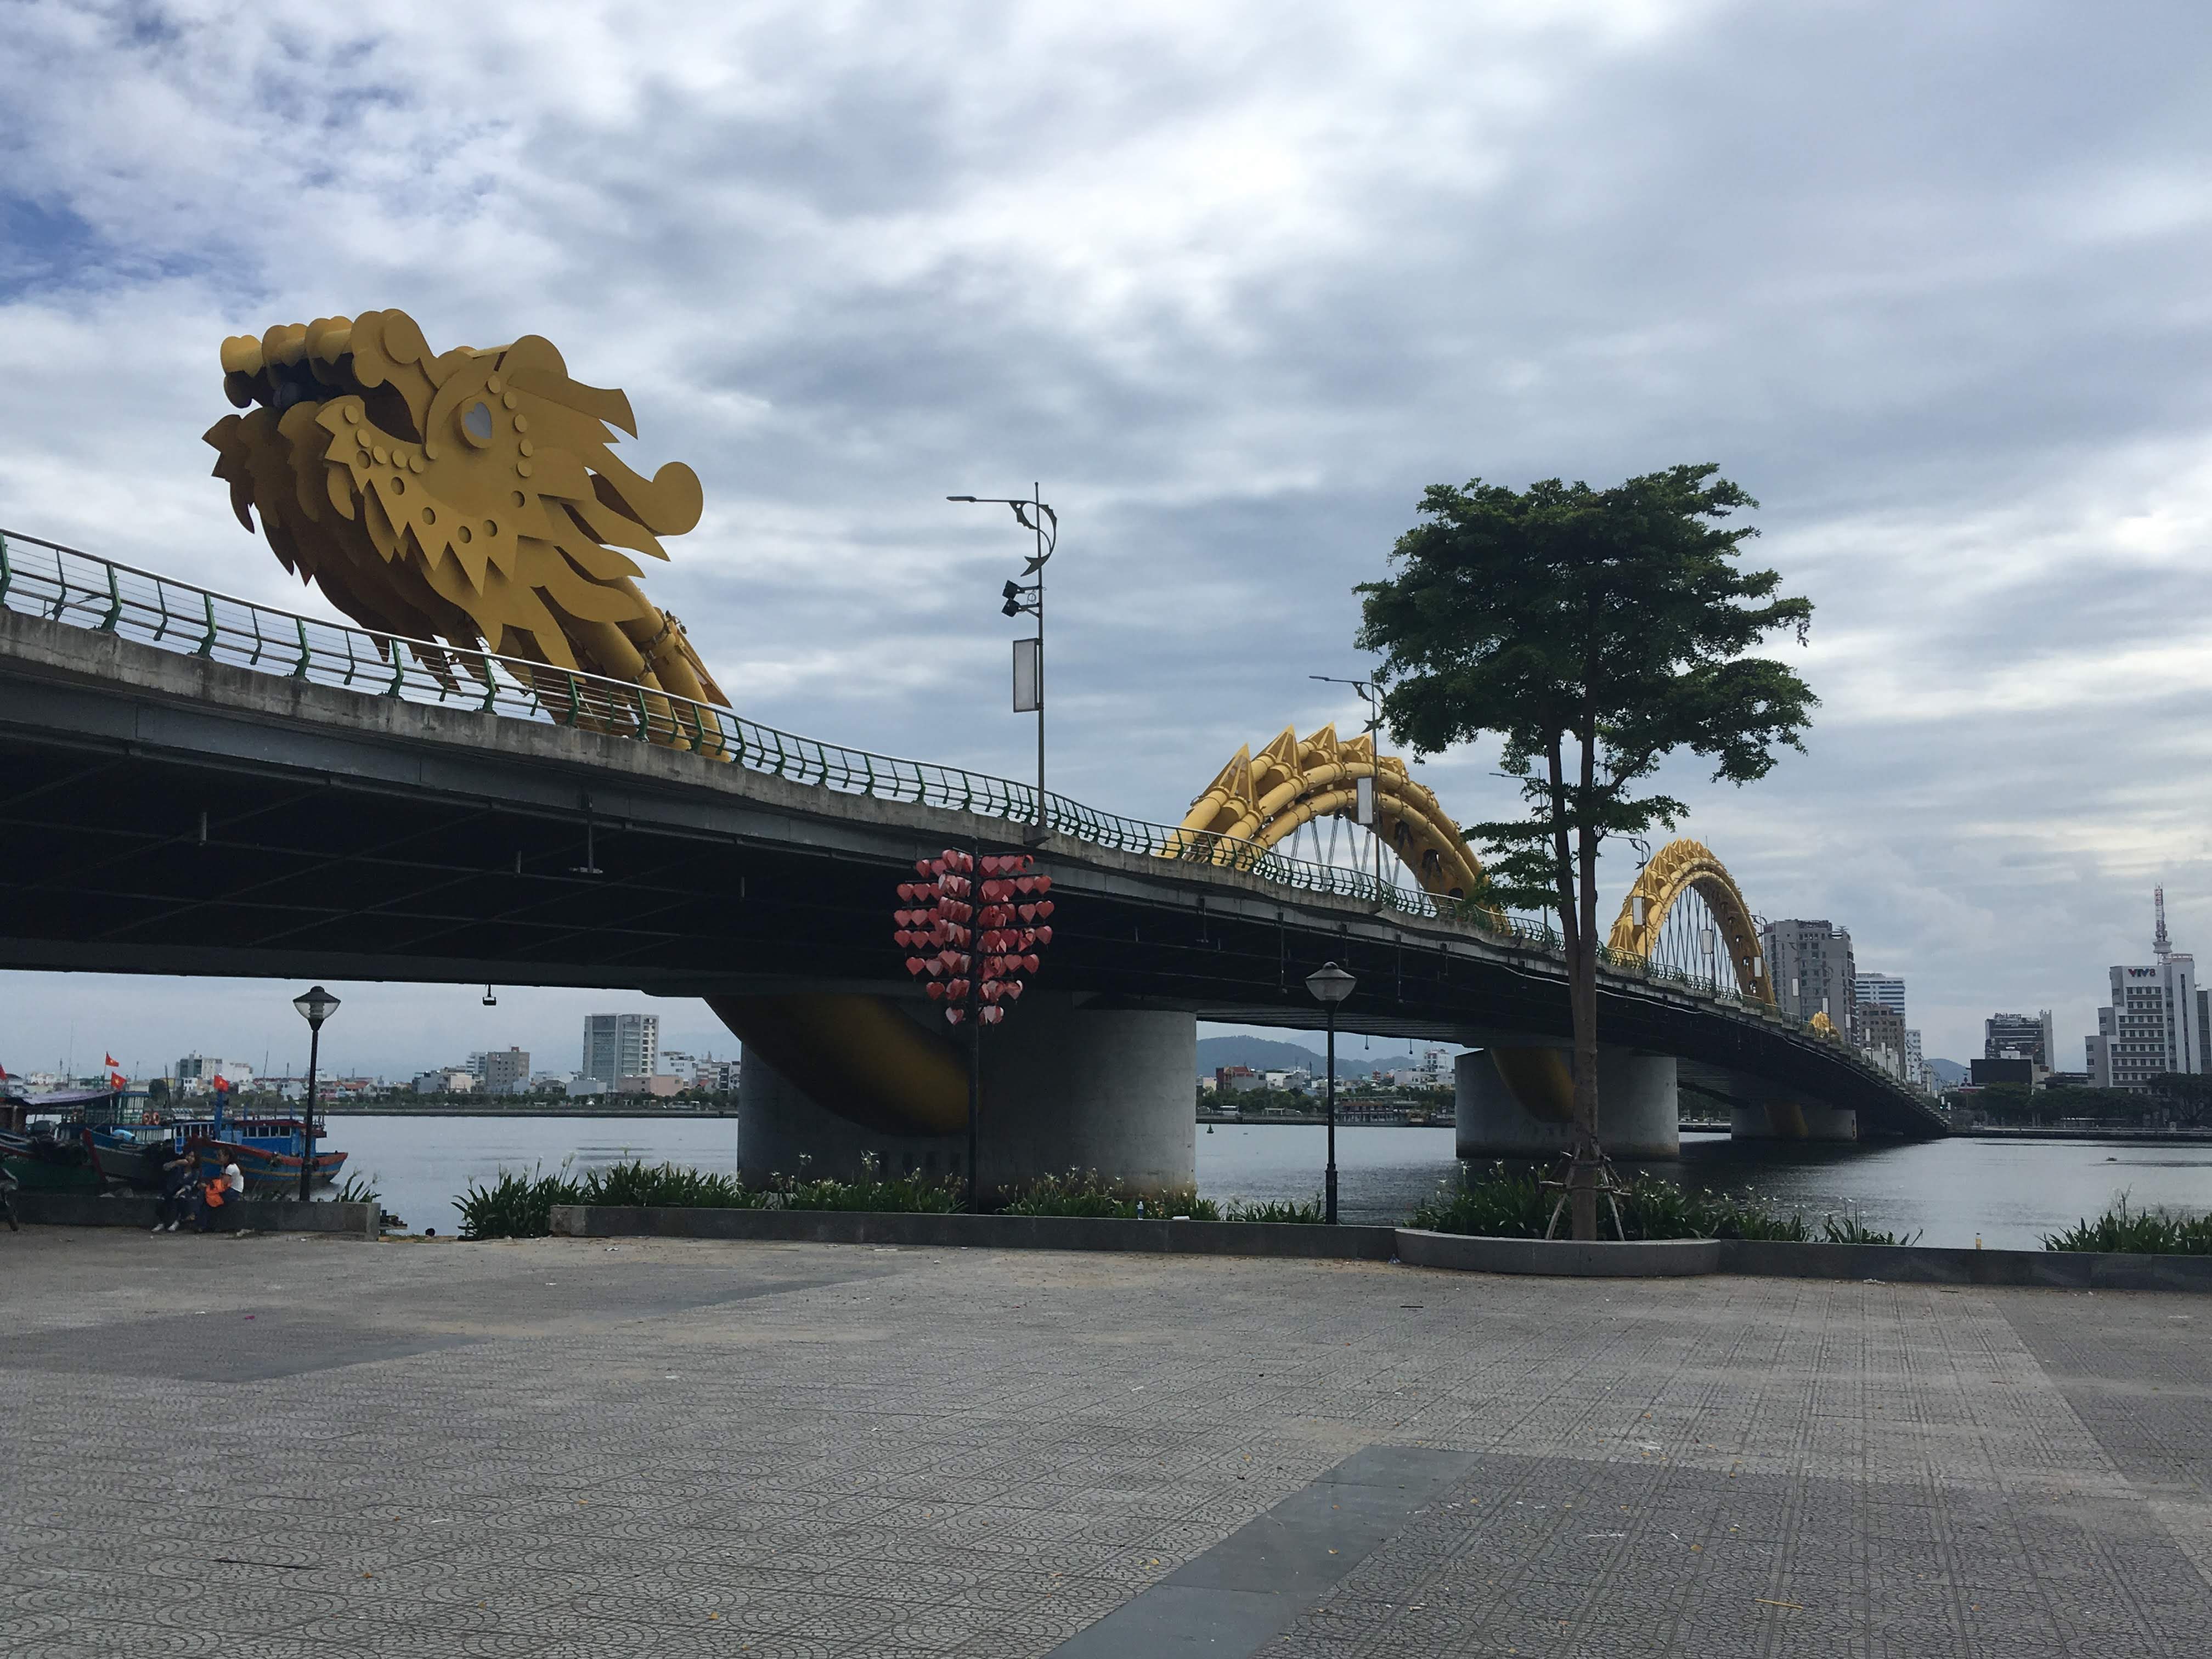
2009,1192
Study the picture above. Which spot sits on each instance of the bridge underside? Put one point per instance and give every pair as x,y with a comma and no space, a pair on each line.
163,815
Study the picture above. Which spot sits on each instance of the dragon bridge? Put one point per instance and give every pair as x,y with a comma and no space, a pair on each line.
1265,798
1656,926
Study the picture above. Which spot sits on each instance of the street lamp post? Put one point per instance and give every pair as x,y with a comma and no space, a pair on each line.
1370,798
1330,985
315,1006
1028,597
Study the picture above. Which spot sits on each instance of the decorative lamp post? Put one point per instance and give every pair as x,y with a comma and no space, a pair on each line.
977,957
1028,597
315,1006
1330,985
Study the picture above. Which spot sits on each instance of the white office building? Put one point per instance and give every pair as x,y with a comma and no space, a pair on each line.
617,1045
2151,1027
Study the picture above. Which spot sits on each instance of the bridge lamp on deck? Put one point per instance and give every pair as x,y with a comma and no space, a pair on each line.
1025,597
1330,985
315,1006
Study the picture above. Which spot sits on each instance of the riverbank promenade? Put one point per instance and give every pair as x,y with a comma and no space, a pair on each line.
297,1446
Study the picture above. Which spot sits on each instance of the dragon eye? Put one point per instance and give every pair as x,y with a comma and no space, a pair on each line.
476,423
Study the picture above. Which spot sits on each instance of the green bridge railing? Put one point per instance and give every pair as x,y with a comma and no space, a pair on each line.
66,584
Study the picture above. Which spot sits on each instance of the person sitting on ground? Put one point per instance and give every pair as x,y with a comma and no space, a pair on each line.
176,1202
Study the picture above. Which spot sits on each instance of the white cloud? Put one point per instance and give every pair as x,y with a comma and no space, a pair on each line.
1237,282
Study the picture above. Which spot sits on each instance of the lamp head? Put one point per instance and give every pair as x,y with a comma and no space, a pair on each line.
1011,608
315,1006
959,498
1330,983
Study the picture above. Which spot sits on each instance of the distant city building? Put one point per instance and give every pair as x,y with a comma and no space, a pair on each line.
1811,967
1237,1080
617,1045
661,1085
502,1071
2154,1025
445,1080
2022,1036
1881,1031
1883,991
1915,1063
195,1074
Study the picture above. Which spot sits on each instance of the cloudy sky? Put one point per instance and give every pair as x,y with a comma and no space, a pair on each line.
1235,281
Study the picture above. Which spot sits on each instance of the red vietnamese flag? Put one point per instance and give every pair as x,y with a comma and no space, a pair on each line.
222,1082
117,1081
112,1063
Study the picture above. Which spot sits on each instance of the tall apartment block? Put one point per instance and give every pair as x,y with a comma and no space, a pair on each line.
617,1046
1811,969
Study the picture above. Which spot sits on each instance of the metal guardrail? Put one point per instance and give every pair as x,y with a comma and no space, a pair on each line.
67,585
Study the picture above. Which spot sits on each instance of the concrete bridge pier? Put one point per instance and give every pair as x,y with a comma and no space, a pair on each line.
1519,1103
1065,1087
1789,1120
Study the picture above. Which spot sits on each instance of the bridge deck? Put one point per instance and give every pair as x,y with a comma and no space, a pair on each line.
166,813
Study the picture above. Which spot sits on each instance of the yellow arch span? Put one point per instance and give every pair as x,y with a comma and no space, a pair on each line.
1267,797
1682,867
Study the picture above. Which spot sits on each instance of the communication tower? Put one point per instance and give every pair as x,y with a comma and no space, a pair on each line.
2161,946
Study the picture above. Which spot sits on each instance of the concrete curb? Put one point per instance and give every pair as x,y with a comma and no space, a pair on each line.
1658,1258
258,1215
1667,1258
1003,1232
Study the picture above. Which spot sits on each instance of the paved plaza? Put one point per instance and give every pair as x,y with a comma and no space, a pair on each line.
279,1446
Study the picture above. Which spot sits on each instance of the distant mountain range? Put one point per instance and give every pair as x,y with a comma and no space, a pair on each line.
1265,1055
1948,1072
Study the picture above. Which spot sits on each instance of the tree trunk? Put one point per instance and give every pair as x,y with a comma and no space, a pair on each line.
1582,981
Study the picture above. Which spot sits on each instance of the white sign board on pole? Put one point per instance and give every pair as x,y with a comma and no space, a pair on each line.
1364,801
1029,676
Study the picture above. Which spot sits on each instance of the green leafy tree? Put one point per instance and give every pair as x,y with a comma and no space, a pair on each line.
1593,632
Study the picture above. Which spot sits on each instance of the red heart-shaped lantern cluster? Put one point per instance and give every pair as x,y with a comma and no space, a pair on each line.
973,927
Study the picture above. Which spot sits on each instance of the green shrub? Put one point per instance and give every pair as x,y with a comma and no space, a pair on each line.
2155,1231
1502,1202
667,1185
1851,1230
516,1205
1284,1210
1085,1192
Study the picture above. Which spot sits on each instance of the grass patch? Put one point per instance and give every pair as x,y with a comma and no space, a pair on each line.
2155,1231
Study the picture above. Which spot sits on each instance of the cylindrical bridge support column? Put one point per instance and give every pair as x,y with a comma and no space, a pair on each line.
1065,1088
1637,1112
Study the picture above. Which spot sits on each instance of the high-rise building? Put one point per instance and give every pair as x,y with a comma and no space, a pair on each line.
1880,1032
2020,1037
1810,965
2151,1026
617,1045
1884,991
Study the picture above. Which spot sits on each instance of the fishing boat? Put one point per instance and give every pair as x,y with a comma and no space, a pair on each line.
84,1147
